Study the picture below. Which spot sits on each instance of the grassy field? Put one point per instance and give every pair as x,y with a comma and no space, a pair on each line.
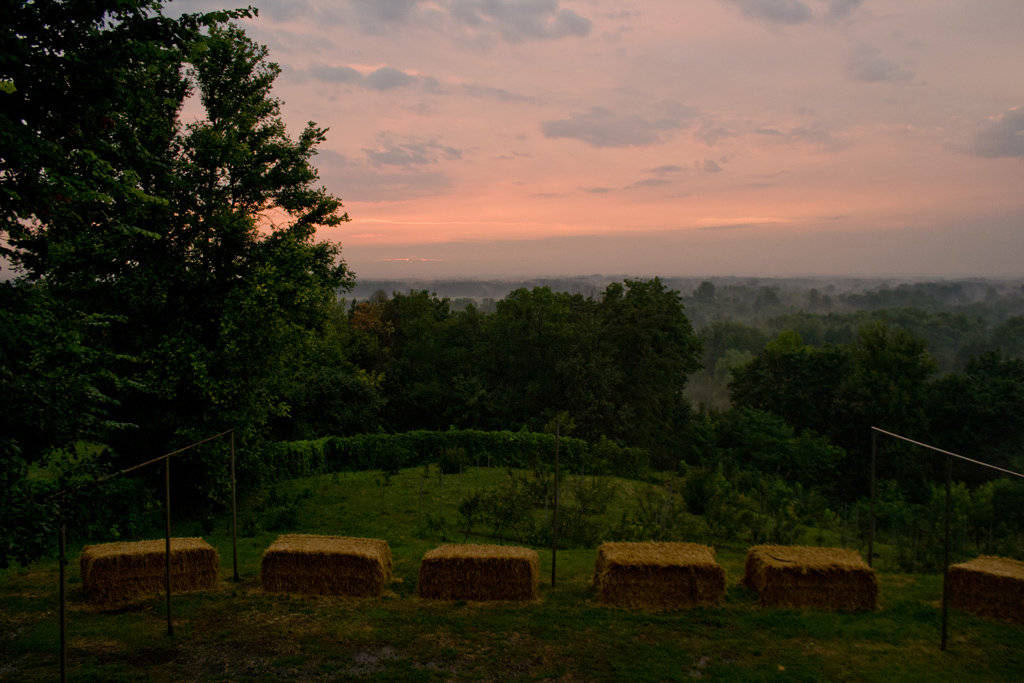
238,632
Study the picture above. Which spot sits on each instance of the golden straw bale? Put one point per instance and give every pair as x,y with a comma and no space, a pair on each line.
988,586
804,576
114,573
326,565
479,572
658,575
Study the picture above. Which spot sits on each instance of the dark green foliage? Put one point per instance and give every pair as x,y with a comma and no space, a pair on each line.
1008,337
454,448
793,380
980,414
608,457
166,304
749,438
452,460
985,520
521,510
616,365
657,514
723,335
470,512
841,392
654,348
276,510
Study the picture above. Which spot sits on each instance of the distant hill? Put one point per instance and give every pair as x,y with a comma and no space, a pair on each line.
952,291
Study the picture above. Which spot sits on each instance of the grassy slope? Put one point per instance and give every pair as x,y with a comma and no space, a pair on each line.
237,632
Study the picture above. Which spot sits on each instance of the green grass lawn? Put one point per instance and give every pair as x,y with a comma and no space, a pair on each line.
238,632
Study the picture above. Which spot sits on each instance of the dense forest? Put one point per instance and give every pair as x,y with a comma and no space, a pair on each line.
169,285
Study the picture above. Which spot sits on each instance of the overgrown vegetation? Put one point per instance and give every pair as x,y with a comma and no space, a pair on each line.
240,631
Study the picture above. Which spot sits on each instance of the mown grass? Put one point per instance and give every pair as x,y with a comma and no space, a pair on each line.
238,632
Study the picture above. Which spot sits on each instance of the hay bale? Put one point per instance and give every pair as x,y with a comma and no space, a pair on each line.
479,572
802,576
115,573
326,565
658,575
988,586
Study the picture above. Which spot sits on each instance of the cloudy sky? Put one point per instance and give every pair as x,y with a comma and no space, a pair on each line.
662,137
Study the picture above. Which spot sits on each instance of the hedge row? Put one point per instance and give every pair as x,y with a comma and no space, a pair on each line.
451,449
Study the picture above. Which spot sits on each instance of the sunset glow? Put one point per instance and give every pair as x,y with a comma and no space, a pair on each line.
662,137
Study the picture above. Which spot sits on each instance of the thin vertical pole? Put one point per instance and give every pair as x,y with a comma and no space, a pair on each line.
167,541
945,561
63,597
234,511
554,521
871,527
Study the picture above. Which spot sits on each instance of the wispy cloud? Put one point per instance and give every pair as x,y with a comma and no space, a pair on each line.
409,259
774,11
518,21
667,169
792,12
380,79
868,65
335,74
840,9
498,94
649,182
601,127
514,21
414,153
1002,136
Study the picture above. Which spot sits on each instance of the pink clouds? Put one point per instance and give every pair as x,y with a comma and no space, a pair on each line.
456,122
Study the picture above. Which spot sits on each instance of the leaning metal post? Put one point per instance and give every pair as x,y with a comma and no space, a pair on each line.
554,521
945,560
871,528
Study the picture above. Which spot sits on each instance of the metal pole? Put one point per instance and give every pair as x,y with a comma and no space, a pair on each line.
63,599
554,521
945,561
234,512
871,527
167,541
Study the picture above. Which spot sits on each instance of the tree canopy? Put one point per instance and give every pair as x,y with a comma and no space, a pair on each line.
169,275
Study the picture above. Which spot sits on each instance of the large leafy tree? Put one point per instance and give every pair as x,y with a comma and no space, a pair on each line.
530,337
841,392
169,275
793,380
653,349
886,387
239,288
88,97
980,414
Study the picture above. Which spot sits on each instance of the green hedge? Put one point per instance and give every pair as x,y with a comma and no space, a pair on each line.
286,460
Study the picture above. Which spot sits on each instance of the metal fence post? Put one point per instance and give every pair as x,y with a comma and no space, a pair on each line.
167,541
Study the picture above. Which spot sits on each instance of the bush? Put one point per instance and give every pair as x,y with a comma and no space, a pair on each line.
286,460
452,460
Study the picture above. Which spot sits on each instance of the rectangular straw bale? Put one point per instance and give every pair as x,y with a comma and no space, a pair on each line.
658,575
326,565
479,572
114,573
988,586
803,576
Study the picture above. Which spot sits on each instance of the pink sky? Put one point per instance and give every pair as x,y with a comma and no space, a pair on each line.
705,137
